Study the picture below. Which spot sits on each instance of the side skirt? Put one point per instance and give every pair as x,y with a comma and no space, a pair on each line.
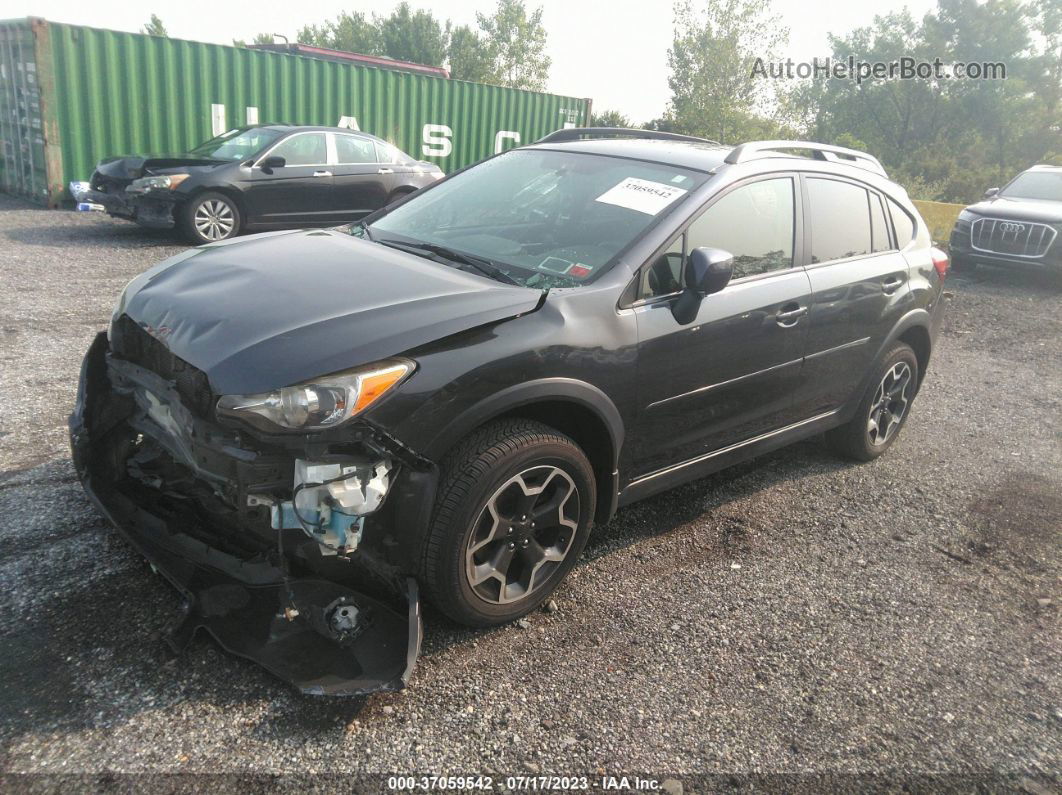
703,465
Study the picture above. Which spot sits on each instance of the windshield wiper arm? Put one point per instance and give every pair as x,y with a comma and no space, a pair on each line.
482,264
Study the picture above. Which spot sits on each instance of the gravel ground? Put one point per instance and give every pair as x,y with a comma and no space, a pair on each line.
795,615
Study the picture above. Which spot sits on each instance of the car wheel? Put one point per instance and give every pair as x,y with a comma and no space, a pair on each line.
513,512
210,217
883,410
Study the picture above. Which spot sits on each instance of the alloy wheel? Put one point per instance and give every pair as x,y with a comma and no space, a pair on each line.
214,219
890,404
522,535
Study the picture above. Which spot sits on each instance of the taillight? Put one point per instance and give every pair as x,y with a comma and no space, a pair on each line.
941,262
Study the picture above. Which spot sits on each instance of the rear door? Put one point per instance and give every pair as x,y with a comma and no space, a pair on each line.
300,191
730,374
362,183
859,285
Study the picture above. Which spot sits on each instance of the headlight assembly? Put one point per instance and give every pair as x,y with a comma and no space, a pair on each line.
967,216
322,403
165,182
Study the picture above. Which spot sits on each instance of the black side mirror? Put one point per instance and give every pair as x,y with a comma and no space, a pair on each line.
271,162
708,270
991,192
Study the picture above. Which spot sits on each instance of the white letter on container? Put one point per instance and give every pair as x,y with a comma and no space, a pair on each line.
437,140
505,135
349,123
217,119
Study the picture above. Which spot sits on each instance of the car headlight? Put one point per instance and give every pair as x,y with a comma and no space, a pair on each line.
165,182
966,215
322,403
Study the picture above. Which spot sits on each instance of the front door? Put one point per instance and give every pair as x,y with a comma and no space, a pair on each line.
729,375
297,193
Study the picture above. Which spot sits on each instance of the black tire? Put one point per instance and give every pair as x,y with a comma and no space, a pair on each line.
205,205
474,474
856,439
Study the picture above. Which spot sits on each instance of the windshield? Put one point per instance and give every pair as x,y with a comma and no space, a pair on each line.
237,144
1035,185
546,219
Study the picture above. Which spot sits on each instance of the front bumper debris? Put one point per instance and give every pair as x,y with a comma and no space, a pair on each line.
154,209
330,625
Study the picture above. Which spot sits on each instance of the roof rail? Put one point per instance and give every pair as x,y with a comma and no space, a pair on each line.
576,133
755,150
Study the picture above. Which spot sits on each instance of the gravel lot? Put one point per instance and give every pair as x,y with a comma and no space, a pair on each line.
794,615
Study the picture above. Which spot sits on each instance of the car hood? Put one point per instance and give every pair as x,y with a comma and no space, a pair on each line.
135,166
1038,210
275,309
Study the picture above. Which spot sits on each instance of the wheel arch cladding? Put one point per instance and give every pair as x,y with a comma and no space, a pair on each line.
917,336
579,410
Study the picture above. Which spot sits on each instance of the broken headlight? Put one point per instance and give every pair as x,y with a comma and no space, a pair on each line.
166,182
322,403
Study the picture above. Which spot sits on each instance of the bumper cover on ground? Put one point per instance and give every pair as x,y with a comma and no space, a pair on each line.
252,608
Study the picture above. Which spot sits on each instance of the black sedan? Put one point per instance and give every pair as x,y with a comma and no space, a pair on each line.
257,178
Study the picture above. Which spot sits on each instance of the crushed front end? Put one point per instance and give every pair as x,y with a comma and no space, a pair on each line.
275,543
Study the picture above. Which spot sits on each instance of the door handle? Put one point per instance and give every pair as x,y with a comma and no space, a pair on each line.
891,285
788,318
386,171
322,173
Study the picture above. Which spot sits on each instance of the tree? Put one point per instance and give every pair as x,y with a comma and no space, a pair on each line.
154,27
471,57
349,32
518,42
259,38
714,92
415,36
609,118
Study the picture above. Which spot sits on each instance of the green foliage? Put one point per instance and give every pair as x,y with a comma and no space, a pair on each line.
259,38
154,27
348,32
518,42
713,91
609,118
945,139
415,36
472,57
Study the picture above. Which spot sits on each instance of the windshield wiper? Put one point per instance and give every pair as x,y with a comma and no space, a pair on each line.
482,264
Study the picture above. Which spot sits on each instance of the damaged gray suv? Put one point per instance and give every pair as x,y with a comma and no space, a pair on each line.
305,430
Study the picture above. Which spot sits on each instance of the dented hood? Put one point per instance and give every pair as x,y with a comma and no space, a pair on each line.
275,309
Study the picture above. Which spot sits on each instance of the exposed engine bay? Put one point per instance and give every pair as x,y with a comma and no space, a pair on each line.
270,543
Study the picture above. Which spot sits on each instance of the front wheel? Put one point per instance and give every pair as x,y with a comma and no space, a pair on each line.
883,410
512,515
210,217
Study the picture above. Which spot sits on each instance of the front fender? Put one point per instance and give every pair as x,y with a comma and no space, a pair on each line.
564,389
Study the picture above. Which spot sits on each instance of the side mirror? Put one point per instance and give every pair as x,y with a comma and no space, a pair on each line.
271,162
708,270
991,192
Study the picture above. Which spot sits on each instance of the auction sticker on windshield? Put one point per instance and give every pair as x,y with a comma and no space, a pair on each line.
641,195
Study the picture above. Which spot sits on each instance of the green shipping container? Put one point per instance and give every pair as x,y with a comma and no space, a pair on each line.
70,96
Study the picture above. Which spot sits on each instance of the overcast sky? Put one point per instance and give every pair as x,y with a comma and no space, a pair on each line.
613,52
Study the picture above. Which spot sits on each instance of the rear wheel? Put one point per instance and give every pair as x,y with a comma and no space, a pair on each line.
883,410
210,217
511,518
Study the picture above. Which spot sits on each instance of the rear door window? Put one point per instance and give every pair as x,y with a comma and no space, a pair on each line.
351,150
879,230
839,218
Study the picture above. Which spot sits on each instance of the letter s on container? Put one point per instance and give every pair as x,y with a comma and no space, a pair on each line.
437,141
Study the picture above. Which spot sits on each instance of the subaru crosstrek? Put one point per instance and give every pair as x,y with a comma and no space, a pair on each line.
304,430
